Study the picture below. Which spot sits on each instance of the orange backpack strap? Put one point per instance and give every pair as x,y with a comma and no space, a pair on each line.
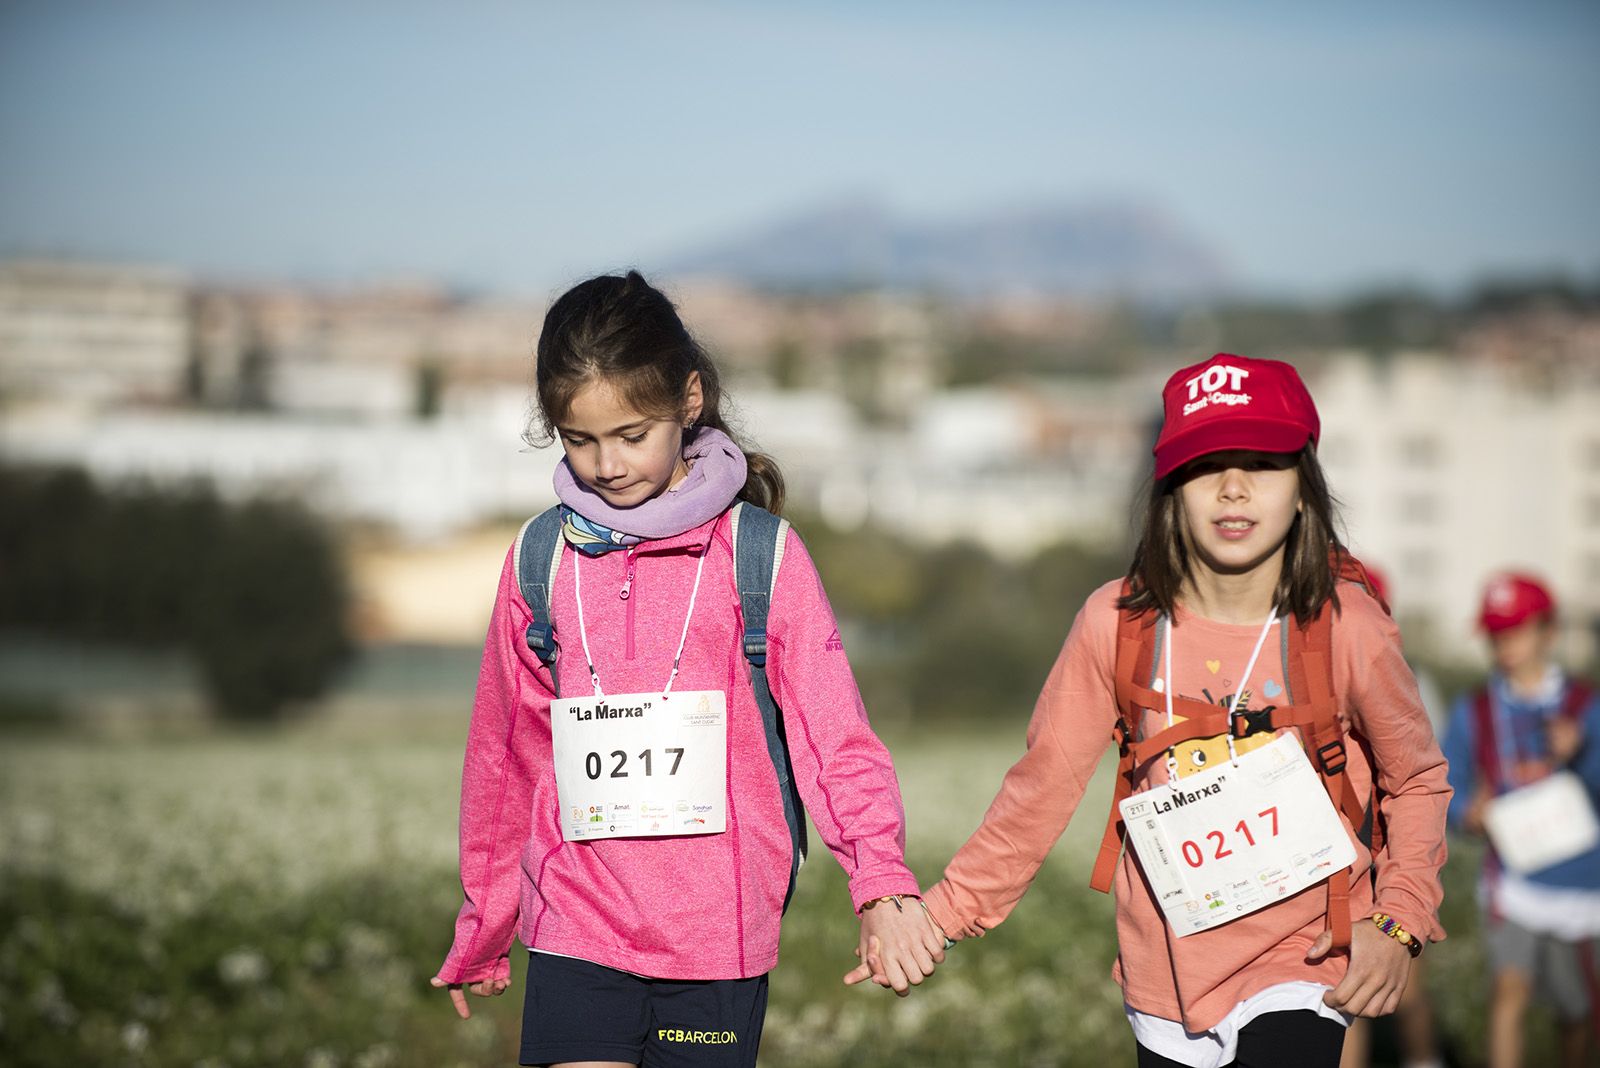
1576,701
1135,659
1350,569
1345,566
1203,720
1311,684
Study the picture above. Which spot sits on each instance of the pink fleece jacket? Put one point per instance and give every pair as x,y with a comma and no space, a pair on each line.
695,907
1200,978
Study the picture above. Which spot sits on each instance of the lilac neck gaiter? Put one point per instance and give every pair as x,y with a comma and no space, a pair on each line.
717,472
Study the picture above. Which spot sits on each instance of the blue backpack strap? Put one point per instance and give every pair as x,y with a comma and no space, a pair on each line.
758,541
538,554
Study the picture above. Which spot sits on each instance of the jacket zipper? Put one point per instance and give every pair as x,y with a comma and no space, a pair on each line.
626,593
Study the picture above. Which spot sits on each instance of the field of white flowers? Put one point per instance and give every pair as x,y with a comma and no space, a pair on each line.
227,899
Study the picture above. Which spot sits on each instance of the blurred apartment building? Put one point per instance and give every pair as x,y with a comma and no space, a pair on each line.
1011,468
1452,468
401,407
389,352
102,334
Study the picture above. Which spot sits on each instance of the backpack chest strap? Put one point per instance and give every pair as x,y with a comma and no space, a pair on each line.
1209,721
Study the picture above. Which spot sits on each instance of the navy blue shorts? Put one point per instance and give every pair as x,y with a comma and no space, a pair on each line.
575,1010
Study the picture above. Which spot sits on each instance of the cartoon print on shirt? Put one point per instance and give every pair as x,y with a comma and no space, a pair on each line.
1198,754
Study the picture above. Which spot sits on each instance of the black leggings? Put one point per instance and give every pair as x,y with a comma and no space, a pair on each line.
1300,1038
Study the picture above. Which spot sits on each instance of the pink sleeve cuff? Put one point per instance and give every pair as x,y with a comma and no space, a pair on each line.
870,889
499,968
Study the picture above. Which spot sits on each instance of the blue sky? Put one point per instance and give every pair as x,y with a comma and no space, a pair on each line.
516,146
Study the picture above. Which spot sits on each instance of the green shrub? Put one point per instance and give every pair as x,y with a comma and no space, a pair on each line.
952,632
256,592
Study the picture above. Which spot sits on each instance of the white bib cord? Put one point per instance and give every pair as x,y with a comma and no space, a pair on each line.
1167,691
583,630
1233,706
677,657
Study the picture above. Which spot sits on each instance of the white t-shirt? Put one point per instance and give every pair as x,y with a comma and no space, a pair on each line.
1220,1045
1570,913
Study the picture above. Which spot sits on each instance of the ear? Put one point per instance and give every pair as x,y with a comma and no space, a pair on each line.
694,399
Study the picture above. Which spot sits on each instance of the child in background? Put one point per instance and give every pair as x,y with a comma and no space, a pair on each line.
1527,722
654,950
1242,611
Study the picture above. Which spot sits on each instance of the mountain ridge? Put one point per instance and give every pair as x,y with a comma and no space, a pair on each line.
1092,248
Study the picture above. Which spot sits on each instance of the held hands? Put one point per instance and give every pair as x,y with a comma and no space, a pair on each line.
486,988
1379,968
900,945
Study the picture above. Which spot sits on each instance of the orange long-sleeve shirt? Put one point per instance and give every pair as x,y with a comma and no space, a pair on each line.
1200,978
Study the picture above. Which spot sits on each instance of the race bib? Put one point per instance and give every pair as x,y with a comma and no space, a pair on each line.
640,765
1542,824
1237,837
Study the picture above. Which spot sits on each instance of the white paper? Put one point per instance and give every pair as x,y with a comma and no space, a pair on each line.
1237,837
641,765
1542,824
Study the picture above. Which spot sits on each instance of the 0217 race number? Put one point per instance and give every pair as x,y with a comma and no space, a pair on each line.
641,765
1236,837
1195,857
594,767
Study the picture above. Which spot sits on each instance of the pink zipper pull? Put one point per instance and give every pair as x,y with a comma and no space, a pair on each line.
627,584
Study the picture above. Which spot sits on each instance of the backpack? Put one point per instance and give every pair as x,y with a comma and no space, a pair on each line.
758,539
1311,706
1573,703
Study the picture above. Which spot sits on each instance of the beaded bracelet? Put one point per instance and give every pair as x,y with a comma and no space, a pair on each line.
1391,927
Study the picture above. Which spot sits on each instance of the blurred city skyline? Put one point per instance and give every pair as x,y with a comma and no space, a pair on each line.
812,185
512,148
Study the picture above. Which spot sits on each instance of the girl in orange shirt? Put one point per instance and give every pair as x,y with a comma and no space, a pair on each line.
1254,681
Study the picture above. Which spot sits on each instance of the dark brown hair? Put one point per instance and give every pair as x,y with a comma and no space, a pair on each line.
621,330
1161,556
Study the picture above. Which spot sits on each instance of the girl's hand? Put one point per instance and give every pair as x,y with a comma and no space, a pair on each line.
899,947
486,988
1565,737
1476,810
1379,968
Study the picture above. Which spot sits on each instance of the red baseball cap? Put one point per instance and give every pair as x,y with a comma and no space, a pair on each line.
1511,600
1233,402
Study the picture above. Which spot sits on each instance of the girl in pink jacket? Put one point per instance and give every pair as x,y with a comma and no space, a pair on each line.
627,825
1270,733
